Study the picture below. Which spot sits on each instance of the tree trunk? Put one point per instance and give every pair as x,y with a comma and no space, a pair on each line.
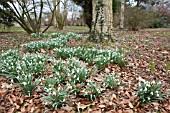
55,13
61,17
102,18
122,10
106,14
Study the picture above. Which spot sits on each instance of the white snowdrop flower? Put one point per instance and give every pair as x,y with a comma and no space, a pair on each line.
157,95
159,82
50,89
89,81
3,70
149,98
156,92
145,89
50,85
17,77
29,75
153,82
139,84
12,81
53,93
24,83
59,88
85,92
78,79
46,103
69,87
148,85
10,85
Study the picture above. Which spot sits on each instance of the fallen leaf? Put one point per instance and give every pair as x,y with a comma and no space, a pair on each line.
102,106
2,108
6,85
111,111
2,93
17,106
165,52
107,70
10,100
11,110
23,110
141,79
42,51
98,79
155,103
128,111
127,93
81,106
130,105
167,107
60,111
119,111
96,111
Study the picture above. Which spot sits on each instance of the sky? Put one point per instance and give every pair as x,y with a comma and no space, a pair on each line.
71,9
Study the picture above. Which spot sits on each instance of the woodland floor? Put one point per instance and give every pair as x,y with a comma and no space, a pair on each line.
140,49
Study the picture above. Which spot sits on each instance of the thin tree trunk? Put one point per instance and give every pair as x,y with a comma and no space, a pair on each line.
122,10
55,14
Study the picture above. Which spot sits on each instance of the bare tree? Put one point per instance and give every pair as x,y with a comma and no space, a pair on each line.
28,14
60,17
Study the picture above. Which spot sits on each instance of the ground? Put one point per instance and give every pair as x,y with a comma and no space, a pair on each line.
140,49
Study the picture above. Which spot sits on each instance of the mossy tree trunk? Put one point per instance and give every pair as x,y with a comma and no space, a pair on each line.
102,20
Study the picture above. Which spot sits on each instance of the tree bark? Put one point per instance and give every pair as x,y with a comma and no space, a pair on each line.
122,10
107,15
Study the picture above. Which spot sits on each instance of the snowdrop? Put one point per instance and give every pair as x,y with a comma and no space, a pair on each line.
149,91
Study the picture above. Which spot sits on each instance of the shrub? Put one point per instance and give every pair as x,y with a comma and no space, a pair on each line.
136,18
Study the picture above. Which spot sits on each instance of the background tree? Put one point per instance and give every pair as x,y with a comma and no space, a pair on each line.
61,16
27,14
102,20
147,13
5,20
122,11
87,9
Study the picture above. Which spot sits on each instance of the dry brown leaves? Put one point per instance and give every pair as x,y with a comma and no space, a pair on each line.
140,50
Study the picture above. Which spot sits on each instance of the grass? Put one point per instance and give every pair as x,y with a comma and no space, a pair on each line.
77,29
16,29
